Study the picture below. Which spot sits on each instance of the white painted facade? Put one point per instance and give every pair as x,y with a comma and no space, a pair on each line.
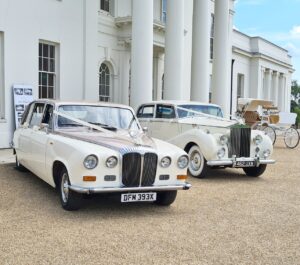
85,37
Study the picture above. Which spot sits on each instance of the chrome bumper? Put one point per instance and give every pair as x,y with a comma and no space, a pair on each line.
78,189
233,162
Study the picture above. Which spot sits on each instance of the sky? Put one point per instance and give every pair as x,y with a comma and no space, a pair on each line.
275,20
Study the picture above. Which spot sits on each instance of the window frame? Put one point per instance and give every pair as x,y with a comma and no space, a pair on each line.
166,105
109,86
42,72
163,14
103,9
141,109
33,111
211,37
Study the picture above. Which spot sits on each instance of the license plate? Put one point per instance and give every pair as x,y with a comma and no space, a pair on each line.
244,164
138,197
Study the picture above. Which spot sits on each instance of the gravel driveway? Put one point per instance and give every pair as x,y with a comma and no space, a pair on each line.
227,218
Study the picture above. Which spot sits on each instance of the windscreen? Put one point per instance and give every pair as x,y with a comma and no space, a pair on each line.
107,117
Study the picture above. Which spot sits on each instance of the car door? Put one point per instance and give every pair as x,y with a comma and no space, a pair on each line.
165,123
145,115
23,137
40,137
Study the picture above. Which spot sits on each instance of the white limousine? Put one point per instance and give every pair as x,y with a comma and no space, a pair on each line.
208,138
84,148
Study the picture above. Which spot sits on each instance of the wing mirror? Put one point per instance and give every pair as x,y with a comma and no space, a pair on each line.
44,127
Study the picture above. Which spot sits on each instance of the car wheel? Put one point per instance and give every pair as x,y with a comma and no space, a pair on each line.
166,198
70,200
197,165
255,171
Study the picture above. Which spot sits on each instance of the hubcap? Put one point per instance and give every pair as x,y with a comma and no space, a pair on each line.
195,160
64,187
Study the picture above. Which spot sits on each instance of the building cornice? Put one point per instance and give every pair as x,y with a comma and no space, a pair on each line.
259,55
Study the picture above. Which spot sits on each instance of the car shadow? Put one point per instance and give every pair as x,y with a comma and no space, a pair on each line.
32,190
226,174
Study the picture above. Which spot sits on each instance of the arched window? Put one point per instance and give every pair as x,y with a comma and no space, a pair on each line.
104,83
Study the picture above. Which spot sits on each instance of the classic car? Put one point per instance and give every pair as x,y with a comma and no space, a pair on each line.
208,138
84,148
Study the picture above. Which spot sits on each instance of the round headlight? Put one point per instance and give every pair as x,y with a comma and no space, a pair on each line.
267,153
90,162
165,162
221,153
258,139
183,161
111,162
223,140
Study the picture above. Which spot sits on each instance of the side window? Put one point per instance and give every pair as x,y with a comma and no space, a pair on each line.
37,114
165,112
48,115
146,112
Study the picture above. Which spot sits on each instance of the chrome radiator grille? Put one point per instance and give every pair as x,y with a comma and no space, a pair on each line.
239,143
139,170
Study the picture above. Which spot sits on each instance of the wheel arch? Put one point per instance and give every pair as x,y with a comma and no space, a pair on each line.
56,168
189,146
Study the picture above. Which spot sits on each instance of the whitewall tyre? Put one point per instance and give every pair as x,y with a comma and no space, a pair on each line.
197,165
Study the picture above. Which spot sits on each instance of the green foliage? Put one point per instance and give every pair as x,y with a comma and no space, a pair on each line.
295,103
295,91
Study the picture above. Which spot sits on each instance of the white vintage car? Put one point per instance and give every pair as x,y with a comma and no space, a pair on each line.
84,148
208,138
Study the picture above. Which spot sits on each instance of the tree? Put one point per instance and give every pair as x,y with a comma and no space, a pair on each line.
295,91
295,102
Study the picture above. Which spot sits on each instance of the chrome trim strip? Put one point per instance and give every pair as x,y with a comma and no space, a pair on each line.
78,189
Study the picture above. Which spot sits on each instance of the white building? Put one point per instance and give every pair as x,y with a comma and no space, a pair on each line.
123,51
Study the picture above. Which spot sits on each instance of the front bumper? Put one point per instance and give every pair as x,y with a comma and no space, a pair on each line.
78,189
234,162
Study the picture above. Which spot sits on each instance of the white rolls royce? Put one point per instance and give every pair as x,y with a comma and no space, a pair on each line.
84,148
208,138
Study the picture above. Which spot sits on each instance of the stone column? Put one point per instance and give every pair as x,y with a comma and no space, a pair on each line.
275,88
141,52
174,50
268,84
261,88
281,93
222,59
201,50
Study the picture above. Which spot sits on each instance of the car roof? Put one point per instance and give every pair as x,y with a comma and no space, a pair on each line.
82,102
181,102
